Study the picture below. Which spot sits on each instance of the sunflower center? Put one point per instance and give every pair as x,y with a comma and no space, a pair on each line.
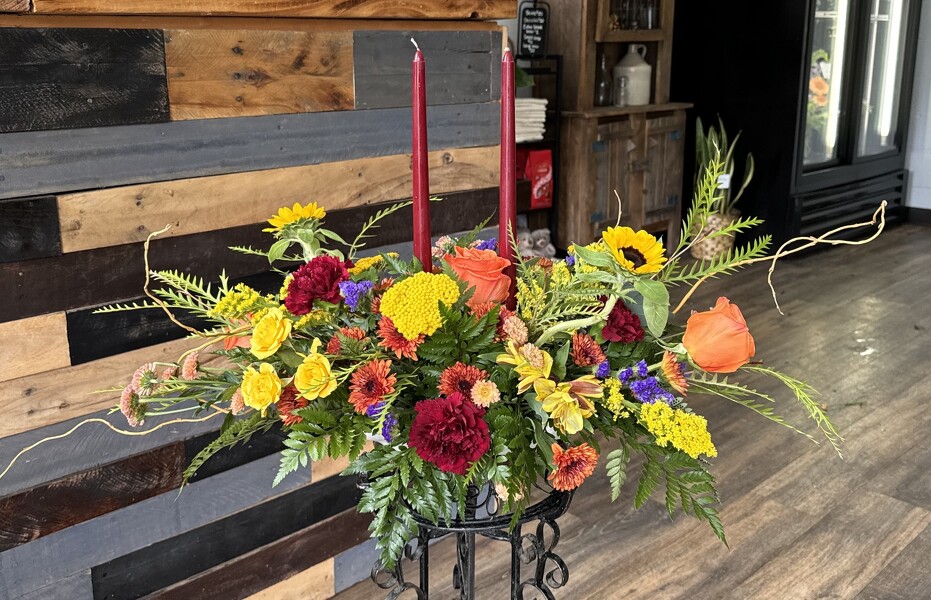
634,256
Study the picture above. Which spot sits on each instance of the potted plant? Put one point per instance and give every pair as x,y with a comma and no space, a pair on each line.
716,236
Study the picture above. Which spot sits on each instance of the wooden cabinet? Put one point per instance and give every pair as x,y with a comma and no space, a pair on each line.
634,153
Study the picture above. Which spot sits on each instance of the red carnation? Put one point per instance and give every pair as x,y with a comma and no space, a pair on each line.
318,279
449,432
622,326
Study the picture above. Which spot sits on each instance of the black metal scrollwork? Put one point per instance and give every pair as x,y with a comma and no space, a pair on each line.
549,571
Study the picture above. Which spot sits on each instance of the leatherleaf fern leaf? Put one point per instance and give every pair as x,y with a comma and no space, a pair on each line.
321,434
461,337
239,431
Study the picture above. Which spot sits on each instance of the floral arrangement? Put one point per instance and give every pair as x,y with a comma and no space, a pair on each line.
456,388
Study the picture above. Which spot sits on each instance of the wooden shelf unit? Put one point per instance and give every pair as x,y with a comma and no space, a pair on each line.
635,151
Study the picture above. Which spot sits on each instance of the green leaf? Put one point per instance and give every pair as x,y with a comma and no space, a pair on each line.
559,362
617,470
278,249
655,304
596,259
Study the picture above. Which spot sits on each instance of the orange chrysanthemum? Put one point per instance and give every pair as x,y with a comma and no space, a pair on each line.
460,378
289,402
585,350
370,384
335,345
573,466
819,86
393,340
672,371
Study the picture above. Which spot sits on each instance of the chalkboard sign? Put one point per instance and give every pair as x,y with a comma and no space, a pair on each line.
534,20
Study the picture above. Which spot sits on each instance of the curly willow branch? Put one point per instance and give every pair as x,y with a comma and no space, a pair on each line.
219,411
148,280
879,215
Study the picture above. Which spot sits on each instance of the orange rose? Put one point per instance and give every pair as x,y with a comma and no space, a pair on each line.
718,340
482,270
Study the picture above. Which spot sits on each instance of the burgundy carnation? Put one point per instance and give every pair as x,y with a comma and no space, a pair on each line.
318,279
450,433
622,326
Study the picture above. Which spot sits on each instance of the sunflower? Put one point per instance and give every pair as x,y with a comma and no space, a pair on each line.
286,216
370,384
585,350
391,339
573,466
638,252
460,378
672,371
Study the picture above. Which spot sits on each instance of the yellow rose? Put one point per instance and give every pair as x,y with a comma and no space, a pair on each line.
269,333
313,378
262,388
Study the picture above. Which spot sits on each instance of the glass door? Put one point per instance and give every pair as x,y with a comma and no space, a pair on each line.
883,68
827,77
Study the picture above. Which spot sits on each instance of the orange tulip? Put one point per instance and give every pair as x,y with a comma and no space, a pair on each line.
482,270
718,340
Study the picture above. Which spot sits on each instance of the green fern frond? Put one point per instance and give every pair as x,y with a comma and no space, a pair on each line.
726,263
372,223
238,432
112,308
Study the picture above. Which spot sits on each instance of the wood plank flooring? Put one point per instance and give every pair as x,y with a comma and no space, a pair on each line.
802,524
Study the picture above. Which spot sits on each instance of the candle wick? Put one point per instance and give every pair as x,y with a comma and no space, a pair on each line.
413,41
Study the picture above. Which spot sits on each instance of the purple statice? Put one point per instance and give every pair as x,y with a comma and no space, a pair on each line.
489,244
353,292
570,261
374,410
648,391
604,369
642,369
387,429
625,374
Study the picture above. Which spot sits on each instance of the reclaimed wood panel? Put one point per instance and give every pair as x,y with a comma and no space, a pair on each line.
72,280
29,229
66,78
287,560
326,9
33,345
159,565
62,394
245,73
76,587
52,507
144,524
462,67
44,162
316,583
15,6
124,215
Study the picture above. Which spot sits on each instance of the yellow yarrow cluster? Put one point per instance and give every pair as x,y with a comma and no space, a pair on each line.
237,303
561,275
413,304
685,431
285,216
614,399
530,299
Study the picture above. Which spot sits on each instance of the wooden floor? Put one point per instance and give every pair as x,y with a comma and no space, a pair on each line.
802,524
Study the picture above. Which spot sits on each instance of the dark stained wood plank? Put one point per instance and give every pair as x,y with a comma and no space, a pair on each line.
462,67
274,562
357,9
71,281
51,558
58,161
29,229
67,78
155,567
906,577
259,446
77,498
215,74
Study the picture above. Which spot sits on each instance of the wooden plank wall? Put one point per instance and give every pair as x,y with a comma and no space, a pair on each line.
207,116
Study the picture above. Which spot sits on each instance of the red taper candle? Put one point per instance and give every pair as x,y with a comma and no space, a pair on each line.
421,196
508,182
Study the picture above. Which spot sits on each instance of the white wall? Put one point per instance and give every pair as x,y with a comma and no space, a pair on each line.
918,154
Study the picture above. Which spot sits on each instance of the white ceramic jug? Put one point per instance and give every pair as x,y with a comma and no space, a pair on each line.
638,72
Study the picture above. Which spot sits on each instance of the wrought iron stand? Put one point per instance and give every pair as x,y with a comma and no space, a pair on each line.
525,548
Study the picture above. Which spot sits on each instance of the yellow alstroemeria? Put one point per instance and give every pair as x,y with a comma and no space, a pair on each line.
530,363
568,403
286,216
314,378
